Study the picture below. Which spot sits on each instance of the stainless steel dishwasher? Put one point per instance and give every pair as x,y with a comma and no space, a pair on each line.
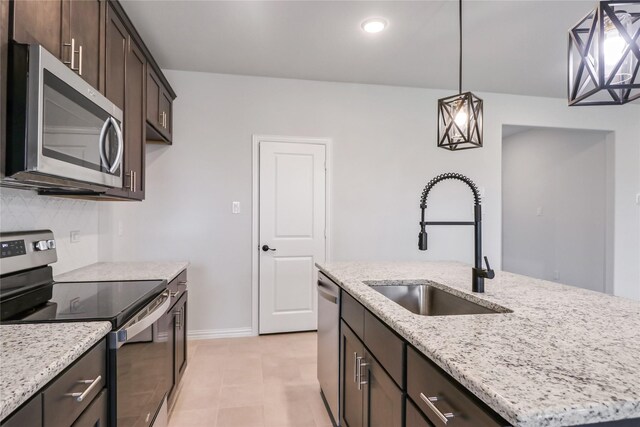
329,344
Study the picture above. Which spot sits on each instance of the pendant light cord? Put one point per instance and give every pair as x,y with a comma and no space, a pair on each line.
460,59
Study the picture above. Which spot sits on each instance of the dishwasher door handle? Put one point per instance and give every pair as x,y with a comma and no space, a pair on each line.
333,299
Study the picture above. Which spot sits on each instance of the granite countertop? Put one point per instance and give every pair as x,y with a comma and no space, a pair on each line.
120,271
564,356
31,355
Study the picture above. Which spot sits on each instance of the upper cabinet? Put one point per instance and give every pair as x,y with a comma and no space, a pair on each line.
97,40
159,109
69,29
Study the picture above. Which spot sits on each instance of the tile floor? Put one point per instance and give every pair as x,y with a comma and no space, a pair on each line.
266,381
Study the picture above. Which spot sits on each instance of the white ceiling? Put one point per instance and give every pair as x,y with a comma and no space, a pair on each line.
516,47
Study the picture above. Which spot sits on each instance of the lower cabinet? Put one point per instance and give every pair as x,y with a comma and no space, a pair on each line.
178,331
370,397
77,397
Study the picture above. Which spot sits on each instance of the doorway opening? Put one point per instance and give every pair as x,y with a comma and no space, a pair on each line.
557,205
290,230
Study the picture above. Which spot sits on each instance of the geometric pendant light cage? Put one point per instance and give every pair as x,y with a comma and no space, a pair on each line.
604,55
460,122
460,116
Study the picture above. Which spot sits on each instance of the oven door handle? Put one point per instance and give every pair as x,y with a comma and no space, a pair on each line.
122,335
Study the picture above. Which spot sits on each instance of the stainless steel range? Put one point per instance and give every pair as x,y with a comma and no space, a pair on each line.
140,356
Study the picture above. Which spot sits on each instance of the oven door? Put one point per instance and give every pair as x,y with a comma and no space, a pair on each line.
72,132
140,367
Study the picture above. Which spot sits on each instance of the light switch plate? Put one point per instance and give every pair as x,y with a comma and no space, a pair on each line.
638,199
235,207
74,236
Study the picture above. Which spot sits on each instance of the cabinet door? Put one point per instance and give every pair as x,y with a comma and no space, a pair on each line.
134,117
82,22
153,99
40,22
165,109
414,417
352,394
181,338
116,54
383,399
96,414
29,415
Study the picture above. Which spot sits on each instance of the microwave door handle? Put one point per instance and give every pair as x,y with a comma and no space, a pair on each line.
118,159
125,334
103,135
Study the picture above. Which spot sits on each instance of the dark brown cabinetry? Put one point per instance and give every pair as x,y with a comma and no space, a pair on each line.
69,29
77,397
178,332
125,87
159,110
28,415
4,52
369,396
38,22
97,40
385,382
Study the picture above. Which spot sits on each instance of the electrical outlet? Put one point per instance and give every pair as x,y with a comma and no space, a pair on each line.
638,199
74,236
556,275
235,207
120,228
539,211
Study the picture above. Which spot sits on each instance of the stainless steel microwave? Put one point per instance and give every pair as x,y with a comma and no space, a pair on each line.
61,132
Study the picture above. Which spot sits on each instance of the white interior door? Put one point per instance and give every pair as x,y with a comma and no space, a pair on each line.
292,227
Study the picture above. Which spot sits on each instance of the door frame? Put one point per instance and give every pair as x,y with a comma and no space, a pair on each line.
255,210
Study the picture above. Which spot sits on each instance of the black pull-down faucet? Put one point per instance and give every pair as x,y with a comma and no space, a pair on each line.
478,273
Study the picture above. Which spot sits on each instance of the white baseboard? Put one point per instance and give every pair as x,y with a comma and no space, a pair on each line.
208,334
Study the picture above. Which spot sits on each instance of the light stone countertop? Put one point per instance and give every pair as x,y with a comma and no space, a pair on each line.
31,355
565,356
122,271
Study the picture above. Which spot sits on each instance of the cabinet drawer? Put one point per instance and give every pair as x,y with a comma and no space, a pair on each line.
96,414
177,287
385,345
425,380
353,314
59,408
414,417
28,415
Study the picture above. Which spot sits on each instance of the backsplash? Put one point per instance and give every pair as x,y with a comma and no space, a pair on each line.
26,210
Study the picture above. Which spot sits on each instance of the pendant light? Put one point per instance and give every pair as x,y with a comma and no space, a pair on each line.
604,55
460,116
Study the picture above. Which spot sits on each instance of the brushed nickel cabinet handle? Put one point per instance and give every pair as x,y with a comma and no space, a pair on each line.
72,54
79,397
429,401
355,367
361,364
80,61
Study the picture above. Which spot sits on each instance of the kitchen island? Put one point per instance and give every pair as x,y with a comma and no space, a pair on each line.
562,356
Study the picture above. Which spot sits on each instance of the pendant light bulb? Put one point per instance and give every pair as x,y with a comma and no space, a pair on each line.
461,118
614,46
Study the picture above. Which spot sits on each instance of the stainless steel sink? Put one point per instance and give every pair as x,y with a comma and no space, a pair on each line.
428,300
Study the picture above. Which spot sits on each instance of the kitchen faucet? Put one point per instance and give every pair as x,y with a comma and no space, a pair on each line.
478,273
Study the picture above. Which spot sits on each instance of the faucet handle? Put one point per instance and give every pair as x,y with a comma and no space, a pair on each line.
490,273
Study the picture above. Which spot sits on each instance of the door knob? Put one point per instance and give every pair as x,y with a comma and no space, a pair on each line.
266,248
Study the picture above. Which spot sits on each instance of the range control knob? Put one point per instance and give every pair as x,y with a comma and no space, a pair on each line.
51,244
41,245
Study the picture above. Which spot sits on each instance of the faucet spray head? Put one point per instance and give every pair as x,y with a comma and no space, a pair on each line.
422,239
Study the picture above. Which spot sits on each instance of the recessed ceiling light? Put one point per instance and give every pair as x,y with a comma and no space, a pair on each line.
374,25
